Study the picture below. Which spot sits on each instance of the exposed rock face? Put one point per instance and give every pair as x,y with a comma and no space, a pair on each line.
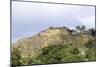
51,36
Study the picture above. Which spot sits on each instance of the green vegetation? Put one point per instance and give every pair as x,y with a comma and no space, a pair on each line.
91,52
91,44
57,54
59,47
16,56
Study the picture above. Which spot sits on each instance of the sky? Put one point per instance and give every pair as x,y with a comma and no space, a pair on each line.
30,18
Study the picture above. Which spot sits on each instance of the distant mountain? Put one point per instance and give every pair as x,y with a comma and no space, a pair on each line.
51,36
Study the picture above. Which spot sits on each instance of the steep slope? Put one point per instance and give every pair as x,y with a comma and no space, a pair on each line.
52,36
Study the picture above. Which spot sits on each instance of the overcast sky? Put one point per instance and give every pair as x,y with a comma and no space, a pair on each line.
30,18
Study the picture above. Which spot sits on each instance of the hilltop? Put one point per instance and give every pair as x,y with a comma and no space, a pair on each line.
58,36
50,36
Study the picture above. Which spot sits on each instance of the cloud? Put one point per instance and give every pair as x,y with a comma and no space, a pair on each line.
89,21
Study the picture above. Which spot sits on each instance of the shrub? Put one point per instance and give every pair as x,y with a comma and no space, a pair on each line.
58,54
16,56
74,50
91,54
90,44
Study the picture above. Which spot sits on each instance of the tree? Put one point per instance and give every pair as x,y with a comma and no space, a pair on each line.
78,28
81,29
92,32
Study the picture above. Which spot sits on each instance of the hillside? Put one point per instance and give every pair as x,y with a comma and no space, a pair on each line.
52,37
